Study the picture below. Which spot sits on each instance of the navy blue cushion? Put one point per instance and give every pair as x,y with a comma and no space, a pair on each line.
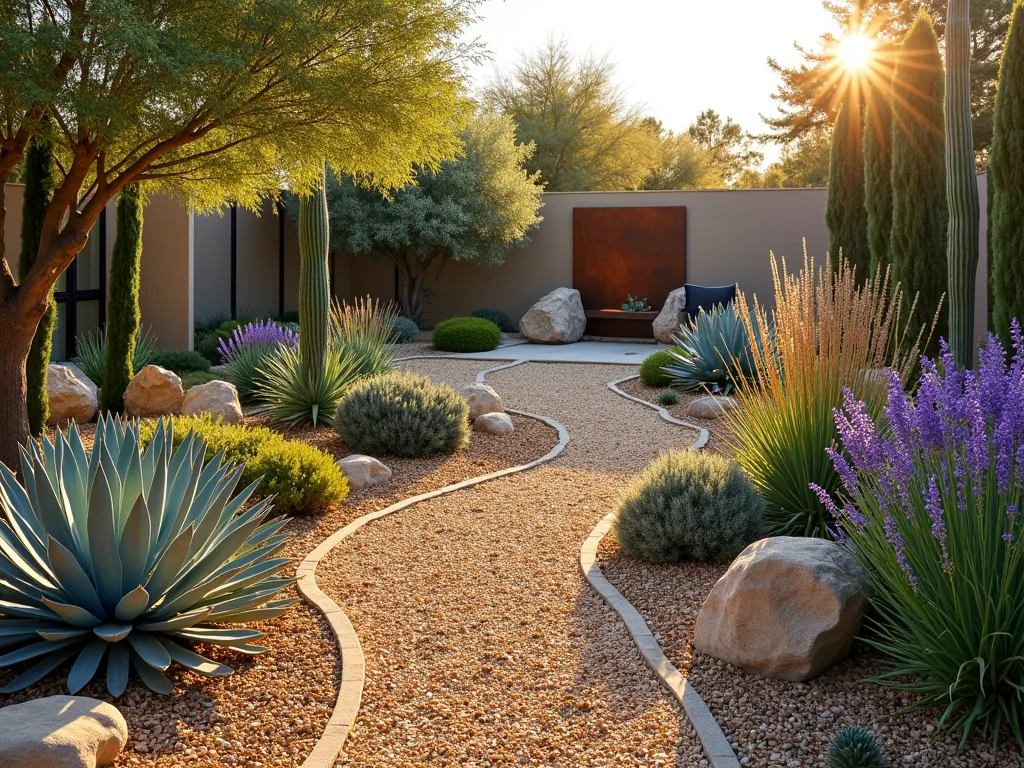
707,297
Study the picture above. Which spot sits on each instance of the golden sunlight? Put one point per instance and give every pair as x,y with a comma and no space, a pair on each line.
856,51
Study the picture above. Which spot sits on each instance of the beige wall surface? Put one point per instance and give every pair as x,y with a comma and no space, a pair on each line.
165,293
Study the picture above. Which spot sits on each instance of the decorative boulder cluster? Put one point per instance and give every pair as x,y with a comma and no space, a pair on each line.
486,411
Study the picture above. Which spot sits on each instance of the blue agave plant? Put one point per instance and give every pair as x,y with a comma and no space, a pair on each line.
707,352
130,556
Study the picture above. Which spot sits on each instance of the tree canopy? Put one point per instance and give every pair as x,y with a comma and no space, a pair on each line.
808,96
211,102
586,133
478,207
731,150
683,165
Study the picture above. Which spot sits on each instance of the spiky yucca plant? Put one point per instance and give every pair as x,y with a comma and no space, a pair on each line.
708,351
828,332
129,556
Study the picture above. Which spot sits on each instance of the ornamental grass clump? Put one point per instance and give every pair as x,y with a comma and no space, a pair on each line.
689,506
402,414
129,556
829,331
930,500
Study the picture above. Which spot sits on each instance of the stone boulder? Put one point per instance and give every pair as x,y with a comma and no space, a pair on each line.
482,399
363,471
61,732
667,321
711,406
70,395
494,424
787,608
218,398
557,318
154,391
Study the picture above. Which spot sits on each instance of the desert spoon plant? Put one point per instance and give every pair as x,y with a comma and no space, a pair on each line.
130,556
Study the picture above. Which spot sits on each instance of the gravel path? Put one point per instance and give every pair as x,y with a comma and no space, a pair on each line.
483,645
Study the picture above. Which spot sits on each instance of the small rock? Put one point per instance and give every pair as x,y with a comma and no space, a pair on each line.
558,318
61,732
219,398
482,399
70,395
710,406
154,391
363,471
667,321
494,424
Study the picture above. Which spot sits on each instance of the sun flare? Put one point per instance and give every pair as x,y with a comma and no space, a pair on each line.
856,51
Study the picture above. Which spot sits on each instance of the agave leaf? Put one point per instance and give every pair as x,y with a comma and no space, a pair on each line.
61,633
249,650
213,636
269,611
254,555
85,666
252,575
113,631
21,610
18,590
73,579
226,604
14,626
150,649
133,549
117,669
152,676
39,670
106,562
14,553
179,601
132,488
169,564
17,638
35,650
50,512
132,605
194,661
181,621
72,614
25,524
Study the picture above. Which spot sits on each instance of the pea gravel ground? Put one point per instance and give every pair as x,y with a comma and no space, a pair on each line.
484,646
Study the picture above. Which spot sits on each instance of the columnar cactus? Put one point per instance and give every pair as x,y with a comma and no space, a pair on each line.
314,285
961,184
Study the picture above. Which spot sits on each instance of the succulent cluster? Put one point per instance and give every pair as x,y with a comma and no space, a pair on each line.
709,352
130,556
636,304
854,747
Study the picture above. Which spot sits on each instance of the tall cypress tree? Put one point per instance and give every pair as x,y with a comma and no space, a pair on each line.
1006,184
123,308
877,176
845,213
917,245
40,180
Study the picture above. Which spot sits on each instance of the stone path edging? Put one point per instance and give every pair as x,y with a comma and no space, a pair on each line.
703,436
350,693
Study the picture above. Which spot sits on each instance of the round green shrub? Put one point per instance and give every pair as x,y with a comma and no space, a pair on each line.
499,318
467,334
689,506
402,414
208,345
650,369
854,747
404,330
291,316
181,361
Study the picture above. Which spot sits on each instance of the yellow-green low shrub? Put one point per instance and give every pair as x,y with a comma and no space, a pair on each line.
303,479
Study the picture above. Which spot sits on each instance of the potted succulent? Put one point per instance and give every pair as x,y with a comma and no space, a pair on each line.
635,304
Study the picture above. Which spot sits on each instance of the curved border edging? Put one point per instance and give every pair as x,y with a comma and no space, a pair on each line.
703,434
715,744
353,670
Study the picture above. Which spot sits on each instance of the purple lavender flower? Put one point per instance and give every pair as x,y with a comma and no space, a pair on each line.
1008,538
265,333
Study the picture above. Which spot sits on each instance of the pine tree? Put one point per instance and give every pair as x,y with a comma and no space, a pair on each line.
40,179
877,177
124,318
845,213
1006,184
917,245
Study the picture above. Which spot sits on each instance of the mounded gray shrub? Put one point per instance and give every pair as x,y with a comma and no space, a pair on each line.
689,506
402,414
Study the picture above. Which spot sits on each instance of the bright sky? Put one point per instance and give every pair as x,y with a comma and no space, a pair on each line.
677,57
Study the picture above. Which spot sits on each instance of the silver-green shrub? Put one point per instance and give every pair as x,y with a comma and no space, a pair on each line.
402,414
689,506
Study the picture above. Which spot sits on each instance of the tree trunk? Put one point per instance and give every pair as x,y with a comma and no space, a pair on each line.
18,332
409,292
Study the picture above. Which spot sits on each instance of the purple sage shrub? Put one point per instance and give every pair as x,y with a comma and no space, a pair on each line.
263,333
929,506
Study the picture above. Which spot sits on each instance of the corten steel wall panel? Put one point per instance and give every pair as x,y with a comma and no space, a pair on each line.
622,251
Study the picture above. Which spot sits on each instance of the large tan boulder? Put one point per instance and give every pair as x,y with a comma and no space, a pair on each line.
787,608
557,318
218,398
667,321
363,471
482,399
494,424
154,391
711,406
71,395
61,732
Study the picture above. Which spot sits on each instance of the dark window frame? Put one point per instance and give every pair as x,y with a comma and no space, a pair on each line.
71,294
